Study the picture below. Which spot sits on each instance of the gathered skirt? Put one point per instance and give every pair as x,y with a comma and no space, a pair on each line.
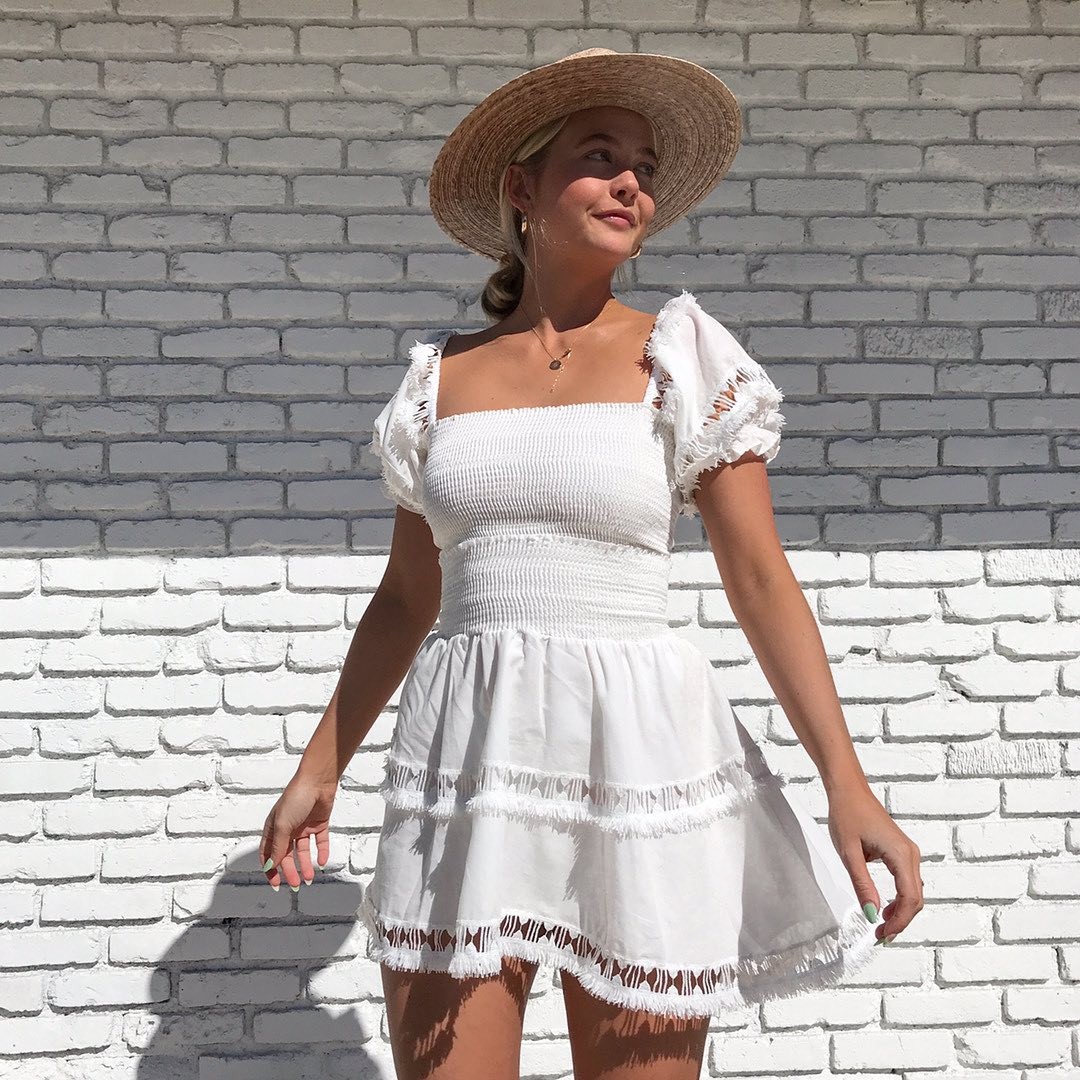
593,804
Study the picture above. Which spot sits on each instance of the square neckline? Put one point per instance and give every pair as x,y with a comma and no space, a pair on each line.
435,418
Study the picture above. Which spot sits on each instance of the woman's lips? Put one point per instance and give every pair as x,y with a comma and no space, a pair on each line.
616,219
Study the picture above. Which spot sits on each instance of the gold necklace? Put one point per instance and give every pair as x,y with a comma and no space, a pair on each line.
556,362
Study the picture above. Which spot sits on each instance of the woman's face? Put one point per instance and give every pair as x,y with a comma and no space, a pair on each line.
603,160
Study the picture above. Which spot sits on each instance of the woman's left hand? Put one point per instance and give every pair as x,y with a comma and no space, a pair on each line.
861,832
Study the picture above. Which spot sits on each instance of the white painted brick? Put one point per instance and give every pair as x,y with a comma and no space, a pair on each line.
866,604
950,1008
320,651
922,568
1007,839
982,603
18,577
37,777
78,738
60,1034
275,691
16,736
999,678
22,994
18,907
43,949
891,1049
934,718
1042,1004
47,615
996,757
997,962
1017,1046
114,818
93,654
197,734
161,775
162,860
1047,641
936,641
953,797
105,987
162,695
1041,796
1029,566
835,1007
113,903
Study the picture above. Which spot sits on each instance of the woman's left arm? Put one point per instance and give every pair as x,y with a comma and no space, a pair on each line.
736,508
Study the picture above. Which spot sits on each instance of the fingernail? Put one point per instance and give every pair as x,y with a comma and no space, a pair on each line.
268,864
889,938
295,888
276,888
870,911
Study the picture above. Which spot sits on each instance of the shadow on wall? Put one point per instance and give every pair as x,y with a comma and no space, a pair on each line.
274,985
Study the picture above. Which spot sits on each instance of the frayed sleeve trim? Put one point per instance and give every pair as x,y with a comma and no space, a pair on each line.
718,400
399,436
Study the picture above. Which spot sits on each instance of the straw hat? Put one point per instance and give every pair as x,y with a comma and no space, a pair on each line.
696,117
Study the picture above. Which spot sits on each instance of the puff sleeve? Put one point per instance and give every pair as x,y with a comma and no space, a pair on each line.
399,434
718,400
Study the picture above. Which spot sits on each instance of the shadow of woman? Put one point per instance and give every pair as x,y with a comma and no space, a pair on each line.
259,983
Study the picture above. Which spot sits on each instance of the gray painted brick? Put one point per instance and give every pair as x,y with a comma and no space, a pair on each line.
941,489
986,450
802,48
223,214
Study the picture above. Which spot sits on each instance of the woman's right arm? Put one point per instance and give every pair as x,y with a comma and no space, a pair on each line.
399,616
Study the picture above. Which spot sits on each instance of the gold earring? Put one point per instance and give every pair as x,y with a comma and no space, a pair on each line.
636,253
524,225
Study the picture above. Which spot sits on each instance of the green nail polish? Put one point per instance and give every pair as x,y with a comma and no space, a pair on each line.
870,911
889,938
295,888
267,865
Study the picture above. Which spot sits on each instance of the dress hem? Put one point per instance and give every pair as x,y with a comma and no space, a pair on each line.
821,962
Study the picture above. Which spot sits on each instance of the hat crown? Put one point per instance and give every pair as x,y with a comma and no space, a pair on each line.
588,52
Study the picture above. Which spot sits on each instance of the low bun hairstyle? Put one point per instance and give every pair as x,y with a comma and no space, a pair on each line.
502,292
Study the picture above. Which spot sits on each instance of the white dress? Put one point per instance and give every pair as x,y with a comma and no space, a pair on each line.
566,780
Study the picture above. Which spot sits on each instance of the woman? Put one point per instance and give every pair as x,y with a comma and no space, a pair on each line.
567,784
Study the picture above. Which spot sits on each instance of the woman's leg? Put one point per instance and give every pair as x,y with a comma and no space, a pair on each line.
445,1028
608,1042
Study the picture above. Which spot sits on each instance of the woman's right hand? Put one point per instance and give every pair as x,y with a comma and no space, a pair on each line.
302,811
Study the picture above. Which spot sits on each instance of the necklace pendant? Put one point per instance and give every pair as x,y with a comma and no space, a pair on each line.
555,365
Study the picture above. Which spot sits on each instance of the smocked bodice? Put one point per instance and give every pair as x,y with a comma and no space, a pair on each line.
556,518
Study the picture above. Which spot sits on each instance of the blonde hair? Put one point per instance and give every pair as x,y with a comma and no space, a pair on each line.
502,293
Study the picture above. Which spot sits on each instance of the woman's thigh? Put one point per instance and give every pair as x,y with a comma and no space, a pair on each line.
612,1043
445,1028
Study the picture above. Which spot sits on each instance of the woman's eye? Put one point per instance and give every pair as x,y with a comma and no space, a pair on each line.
645,164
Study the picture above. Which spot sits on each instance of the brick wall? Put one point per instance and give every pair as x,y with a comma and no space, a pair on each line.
214,249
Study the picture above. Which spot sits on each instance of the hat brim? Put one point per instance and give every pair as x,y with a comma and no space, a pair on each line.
697,120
